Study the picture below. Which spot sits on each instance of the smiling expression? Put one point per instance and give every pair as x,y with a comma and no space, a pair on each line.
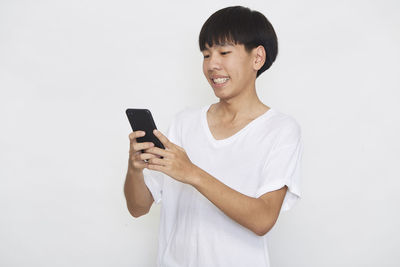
229,69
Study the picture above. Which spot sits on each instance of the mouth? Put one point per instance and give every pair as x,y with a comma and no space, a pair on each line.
220,81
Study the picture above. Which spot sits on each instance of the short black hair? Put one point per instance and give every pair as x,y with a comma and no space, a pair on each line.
240,25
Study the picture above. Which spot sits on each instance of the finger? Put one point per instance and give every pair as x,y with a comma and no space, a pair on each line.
145,156
136,134
137,148
156,167
140,146
180,148
164,140
158,151
140,160
157,161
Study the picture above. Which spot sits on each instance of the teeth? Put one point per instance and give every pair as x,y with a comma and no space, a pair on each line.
220,80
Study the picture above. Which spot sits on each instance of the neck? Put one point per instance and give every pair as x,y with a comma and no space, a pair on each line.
241,107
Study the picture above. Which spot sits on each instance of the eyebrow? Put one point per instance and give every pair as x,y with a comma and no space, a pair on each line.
225,44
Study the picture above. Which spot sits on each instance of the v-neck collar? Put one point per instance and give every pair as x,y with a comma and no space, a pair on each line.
230,139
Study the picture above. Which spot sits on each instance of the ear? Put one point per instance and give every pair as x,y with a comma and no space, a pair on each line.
259,57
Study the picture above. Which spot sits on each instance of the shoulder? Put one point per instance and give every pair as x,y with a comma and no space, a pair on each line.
285,127
286,122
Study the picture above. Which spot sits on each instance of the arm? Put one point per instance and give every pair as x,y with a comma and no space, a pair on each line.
138,196
257,214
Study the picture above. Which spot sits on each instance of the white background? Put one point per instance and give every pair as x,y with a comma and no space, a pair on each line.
69,69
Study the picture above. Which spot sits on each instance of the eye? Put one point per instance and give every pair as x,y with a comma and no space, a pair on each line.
206,56
225,53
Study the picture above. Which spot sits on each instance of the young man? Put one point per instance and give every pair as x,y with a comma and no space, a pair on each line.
229,168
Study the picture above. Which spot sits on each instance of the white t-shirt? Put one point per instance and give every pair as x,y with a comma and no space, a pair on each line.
263,156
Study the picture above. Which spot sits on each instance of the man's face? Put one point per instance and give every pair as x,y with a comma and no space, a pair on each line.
229,69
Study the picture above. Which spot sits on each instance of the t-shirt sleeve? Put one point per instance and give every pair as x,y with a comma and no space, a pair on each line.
154,180
283,167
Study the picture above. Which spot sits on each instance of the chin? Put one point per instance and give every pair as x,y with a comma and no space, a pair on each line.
223,95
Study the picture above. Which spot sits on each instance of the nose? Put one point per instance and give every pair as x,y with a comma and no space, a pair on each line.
214,62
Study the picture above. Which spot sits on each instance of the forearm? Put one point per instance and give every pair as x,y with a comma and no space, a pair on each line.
138,196
252,213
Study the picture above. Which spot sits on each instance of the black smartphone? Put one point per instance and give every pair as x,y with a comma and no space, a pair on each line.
142,120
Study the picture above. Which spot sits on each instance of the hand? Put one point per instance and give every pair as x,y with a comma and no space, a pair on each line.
175,162
136,157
